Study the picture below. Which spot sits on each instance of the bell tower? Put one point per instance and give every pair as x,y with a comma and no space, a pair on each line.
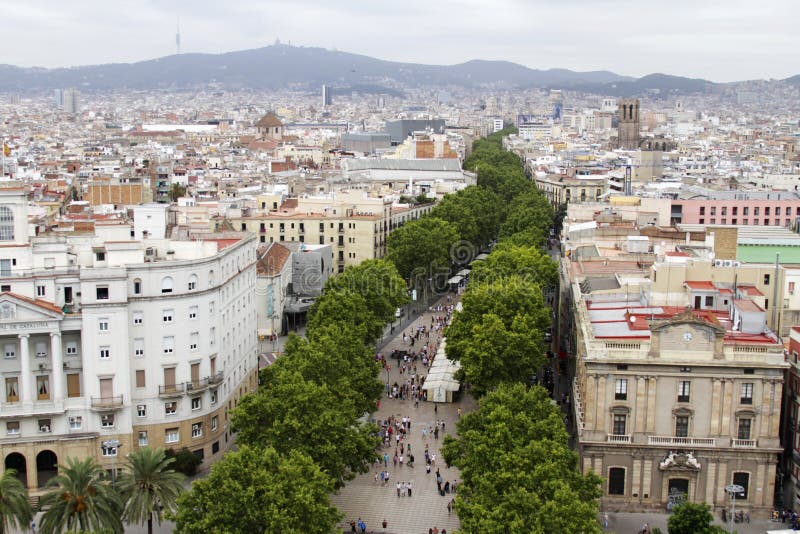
628,128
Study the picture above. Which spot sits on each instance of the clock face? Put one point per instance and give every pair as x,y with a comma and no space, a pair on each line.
687,337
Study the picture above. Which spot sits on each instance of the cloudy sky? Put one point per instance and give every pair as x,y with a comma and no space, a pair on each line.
721,40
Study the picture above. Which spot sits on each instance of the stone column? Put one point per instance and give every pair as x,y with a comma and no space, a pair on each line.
640,405
727,402
58,367
590,402
601,421
716,391
651,404
25,376
711,482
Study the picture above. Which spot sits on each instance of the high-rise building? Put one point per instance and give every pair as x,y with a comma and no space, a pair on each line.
58,98
72,100
326,96
628,129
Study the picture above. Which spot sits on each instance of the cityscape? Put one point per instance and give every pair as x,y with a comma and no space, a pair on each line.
288,288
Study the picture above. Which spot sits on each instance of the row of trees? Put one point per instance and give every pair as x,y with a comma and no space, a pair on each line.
83,498
305,432
519,474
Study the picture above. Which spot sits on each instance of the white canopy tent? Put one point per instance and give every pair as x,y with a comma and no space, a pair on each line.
441,382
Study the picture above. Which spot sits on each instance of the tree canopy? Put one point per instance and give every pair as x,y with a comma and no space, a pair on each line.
421,249
259,490
508,259
378,282
692,518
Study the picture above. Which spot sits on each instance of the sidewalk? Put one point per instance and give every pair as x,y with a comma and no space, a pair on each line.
365,498
631,523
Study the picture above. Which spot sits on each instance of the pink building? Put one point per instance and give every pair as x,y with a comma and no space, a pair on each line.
735,211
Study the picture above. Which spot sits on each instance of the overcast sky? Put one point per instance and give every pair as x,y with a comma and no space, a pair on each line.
720,40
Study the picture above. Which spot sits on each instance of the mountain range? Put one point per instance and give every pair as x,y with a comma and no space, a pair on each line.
280,66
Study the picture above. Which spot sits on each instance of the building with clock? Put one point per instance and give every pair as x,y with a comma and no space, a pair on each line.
677,401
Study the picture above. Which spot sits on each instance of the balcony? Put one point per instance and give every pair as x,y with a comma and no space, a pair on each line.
215,379
171,390
196,386
618,438
744,443
675,441
107,403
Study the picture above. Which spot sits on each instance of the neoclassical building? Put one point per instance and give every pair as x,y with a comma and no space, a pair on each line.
147,341
672,400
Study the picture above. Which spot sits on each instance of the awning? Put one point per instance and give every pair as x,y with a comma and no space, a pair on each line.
455,280
463,272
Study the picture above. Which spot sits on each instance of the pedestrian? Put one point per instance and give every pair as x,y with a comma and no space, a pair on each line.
436,433
385,524
398,488
409,489
376,477
353,526
435,408
449,507
386,459
395,460
605,519
383,477
428,468
362,525
401,460
459,413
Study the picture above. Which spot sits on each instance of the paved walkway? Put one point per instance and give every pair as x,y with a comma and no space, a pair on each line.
631,523
365,498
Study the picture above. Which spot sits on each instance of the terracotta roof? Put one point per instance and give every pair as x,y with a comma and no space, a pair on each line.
36,302
273,260
270,120
701,285
289,203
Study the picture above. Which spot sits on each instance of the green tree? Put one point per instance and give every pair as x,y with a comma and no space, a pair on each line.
345,307
518,472
149,486
422,248
15,508
497,354
508,259
186,462
81,498
259,490
475,211
692,518
291,413
177,191
378,282
507,298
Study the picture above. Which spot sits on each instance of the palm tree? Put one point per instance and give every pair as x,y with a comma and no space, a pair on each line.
81,499
15,508
149,486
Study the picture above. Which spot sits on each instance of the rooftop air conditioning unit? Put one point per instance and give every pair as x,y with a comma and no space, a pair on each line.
718,263
728,263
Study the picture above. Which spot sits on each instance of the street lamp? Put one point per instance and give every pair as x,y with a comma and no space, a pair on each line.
733,489
112,444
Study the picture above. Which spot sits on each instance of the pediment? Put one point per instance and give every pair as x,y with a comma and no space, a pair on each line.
15,308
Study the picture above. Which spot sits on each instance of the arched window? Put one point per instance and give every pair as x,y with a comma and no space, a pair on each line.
210,278
166,285
616,481
6,224
192,285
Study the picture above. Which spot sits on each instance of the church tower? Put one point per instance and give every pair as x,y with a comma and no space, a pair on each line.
628,129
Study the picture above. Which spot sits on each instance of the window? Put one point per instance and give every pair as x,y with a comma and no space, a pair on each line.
619,424
143,438
166,285
76,423
743,480
682,426
6,224
107,420
168,344
100,256
196,403
73,385
43,387
621,389
141,410
616,481
791,287
777,211
102,324
211,308
213,397
166,316
102,292
194,338
212,336
747,393
138,347
756,211
10,351
746,211
12,389
105,352
137,287
766,211
709,300
138,318
744,428
766,279
683,390
192,284
41,349
172,435
170,408
41,291
713,210
109,451
197,430
45,426
192,312
12,428
214,423
72,348
140,381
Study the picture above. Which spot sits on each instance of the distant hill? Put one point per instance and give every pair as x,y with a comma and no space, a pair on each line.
280,66
794,80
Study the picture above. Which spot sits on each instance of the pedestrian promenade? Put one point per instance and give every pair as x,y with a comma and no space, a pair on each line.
365,498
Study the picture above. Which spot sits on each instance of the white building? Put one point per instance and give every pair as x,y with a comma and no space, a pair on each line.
149,341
